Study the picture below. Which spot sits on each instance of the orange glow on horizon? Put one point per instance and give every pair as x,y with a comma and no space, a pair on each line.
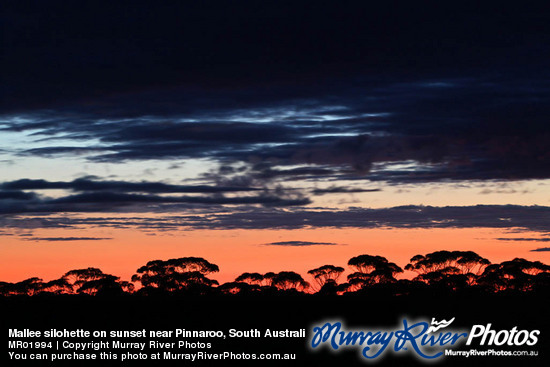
238,251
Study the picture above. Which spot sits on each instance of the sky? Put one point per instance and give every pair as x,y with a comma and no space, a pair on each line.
272,135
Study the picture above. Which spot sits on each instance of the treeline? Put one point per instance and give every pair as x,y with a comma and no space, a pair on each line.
440,272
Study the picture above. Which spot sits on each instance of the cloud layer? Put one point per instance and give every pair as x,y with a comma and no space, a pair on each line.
282,102
516,217
396,93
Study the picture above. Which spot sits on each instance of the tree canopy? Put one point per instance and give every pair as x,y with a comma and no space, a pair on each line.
176,274
464,261
440,271
326,273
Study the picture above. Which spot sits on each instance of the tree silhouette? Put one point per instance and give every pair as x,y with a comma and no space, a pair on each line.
326,273
269,277
107,284
541,283
526,266
447,279
438,272
5,288
238,288
126,286
448,270
465,261
437,275
471,263
76,278
91,281
58,286
451,270
254,282
515,275
28,287
371,270
251,278
288,280
184,273
332,288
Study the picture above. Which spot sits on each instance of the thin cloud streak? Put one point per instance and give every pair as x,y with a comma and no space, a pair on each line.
525,239
84,184
65,239
300,243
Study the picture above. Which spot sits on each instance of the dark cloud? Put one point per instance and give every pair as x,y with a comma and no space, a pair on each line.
541,249
64,54
521,218
62,150
85,184
344,91
249,43
534,218
438,134
264,175
341,189
265,172
65,239
16,195
121,202
232,133
105,196
122,199
300,243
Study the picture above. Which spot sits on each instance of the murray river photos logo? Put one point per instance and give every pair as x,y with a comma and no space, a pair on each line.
425,340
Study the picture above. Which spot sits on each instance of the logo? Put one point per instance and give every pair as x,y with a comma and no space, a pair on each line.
425,340
439,325
503,337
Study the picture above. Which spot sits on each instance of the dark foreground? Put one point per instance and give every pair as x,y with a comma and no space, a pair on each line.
525,312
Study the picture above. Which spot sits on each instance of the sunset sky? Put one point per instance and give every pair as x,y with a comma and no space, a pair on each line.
270,135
